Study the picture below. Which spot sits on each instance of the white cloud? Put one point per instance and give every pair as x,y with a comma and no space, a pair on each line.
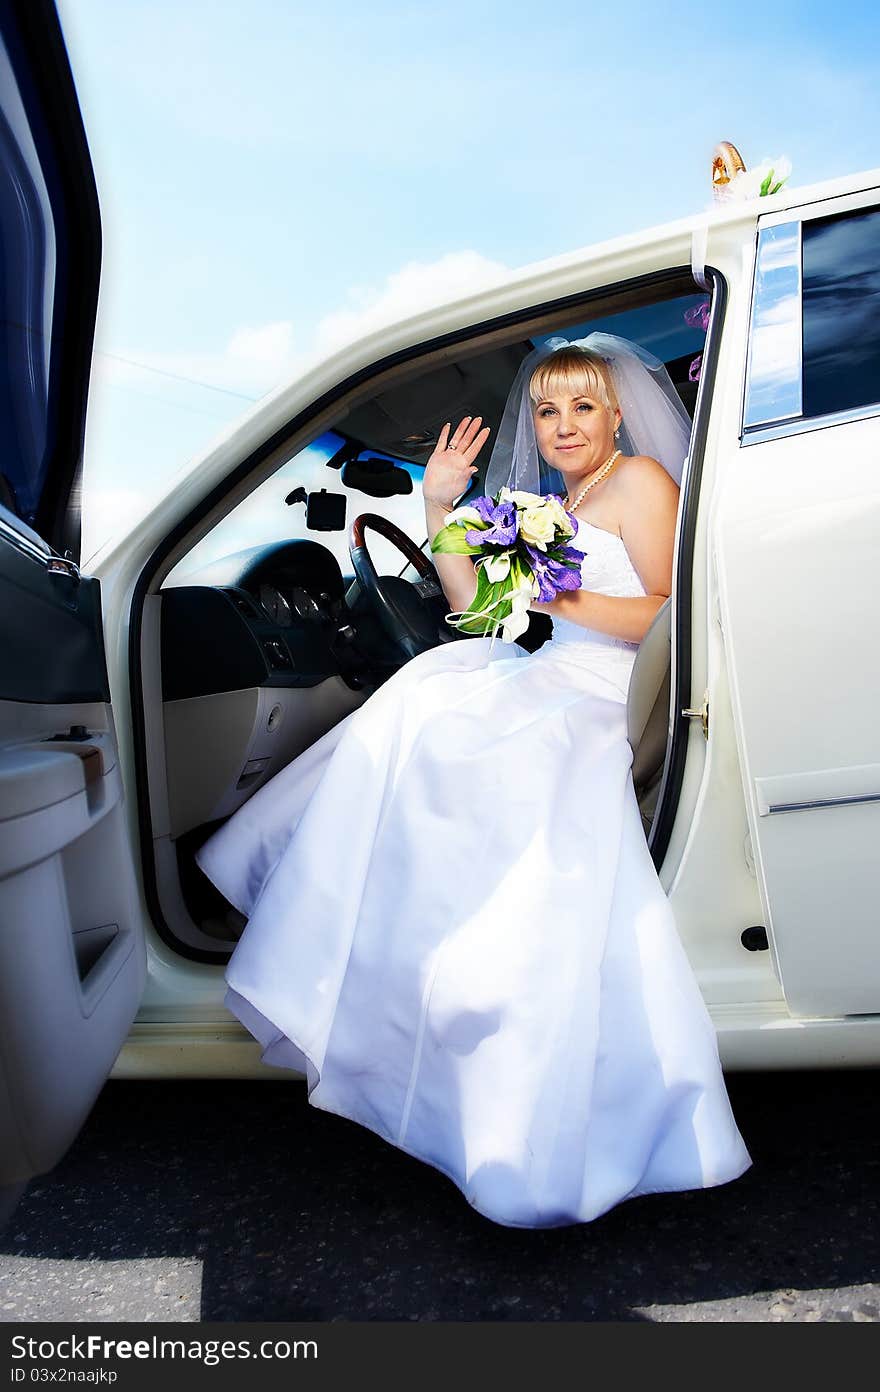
107,511
268,345
252,361
258,357
414,287
156,409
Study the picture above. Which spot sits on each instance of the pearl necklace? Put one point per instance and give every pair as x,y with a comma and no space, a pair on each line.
597,478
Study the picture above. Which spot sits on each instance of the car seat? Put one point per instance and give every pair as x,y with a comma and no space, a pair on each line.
647,710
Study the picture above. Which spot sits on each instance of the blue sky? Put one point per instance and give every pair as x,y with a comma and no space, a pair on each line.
271,174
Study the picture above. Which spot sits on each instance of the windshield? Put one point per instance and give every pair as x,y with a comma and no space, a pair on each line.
264,517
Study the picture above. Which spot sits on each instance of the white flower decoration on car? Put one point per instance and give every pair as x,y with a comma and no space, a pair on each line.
763,180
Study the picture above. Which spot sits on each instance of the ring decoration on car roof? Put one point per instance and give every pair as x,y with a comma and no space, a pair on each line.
732,182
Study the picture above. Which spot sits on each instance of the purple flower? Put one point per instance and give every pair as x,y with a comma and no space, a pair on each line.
552,575
698,317
503,524
695,368
567,553
485,507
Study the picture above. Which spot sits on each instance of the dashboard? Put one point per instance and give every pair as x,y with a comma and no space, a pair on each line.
274,615
284,612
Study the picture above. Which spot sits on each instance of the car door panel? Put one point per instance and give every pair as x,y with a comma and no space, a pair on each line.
72,949
62,611
72,963
797,618
795,538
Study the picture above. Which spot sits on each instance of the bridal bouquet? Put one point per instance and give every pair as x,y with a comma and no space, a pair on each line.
520,541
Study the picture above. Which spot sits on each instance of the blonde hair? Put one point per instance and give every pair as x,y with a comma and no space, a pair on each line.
577,371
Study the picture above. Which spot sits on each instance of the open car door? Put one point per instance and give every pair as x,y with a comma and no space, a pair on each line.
796,556
72,955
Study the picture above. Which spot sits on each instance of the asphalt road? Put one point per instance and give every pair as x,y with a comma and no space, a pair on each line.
237,1201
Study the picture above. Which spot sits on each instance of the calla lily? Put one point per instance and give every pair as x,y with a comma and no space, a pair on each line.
518,620
497,567
514,626
471,515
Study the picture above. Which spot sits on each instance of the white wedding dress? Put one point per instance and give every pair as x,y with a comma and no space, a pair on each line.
456,932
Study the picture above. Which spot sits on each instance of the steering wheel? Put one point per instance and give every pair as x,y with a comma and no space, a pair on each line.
411,613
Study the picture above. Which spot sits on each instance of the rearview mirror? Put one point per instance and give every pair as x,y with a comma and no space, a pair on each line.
379,478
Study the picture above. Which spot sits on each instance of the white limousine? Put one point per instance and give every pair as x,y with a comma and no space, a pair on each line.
143,702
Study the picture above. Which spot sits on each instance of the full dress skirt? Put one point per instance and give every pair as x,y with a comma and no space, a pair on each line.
456,932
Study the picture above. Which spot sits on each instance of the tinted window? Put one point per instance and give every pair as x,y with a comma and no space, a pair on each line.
672,330
27,284
841,280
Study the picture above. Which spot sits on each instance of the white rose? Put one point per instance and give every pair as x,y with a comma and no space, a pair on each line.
522,499
560,516
537,526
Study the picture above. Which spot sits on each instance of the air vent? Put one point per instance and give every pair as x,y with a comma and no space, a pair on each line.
276,654
242,604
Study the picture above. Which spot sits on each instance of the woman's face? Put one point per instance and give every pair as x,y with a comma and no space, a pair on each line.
575,432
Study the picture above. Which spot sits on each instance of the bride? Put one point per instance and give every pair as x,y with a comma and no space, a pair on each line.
455,929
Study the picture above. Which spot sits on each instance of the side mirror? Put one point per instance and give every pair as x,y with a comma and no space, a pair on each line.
378,478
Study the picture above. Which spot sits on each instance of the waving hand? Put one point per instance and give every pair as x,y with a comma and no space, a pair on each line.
451,467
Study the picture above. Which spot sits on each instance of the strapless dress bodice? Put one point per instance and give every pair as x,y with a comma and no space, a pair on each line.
605,569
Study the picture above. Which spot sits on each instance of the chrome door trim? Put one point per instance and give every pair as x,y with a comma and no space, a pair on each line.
775,807
780,429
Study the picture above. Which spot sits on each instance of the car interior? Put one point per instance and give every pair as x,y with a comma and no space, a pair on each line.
285,612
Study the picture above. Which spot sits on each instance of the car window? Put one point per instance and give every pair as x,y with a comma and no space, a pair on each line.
674,329
27,290
264,517
670,329
814,338
841,309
